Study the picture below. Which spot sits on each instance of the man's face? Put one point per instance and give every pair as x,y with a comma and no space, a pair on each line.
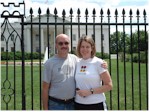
62,45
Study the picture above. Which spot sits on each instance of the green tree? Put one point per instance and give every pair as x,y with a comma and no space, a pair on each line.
119,41
139,41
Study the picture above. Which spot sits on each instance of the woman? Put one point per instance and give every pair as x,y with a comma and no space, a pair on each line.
89,77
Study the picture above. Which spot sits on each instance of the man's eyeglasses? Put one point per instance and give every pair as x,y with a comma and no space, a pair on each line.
61,43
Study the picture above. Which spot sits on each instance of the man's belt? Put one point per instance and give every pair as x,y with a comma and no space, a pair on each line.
61,100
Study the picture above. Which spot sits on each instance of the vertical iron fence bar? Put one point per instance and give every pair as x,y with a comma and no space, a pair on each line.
23,66
102,37
108,13
6,65
14,76
118,87
78,12
31,35
139,59
39,12
146,53
94,15
6,72
63,18
55,12
131,52
48,35
124,55
86,18
71,12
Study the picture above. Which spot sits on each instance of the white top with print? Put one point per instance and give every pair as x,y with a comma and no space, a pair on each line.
88,76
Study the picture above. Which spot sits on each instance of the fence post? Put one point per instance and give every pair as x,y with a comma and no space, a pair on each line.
23,66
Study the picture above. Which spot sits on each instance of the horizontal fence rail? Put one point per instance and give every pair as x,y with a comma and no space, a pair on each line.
123,43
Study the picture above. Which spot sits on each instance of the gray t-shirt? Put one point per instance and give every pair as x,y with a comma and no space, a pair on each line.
59,72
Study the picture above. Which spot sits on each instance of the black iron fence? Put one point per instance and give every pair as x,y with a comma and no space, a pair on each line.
122,41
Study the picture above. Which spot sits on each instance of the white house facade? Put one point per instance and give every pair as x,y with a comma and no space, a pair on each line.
11,38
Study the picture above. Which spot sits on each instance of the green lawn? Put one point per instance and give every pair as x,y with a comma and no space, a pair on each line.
127,99
32,84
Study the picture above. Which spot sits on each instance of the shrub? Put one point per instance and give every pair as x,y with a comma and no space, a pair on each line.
136,57
18,55
124,57
99,55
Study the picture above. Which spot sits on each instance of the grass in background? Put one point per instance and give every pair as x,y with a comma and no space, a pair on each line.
117,80
123,81
32,82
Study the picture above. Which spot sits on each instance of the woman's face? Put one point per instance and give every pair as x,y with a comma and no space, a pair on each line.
85,50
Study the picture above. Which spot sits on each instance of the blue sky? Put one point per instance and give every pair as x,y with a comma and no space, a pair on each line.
120,2
132,3
82,5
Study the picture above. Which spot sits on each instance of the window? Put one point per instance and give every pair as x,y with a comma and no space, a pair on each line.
49,36
2,38
74,37
37,49
2,49
93,36
74,48
12,49
12,37
37,37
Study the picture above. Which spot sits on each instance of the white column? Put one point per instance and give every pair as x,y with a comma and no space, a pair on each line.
28,40
42,41
69,34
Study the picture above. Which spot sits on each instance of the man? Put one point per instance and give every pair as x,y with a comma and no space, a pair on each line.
58,78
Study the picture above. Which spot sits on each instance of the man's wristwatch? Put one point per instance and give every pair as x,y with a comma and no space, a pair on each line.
92,91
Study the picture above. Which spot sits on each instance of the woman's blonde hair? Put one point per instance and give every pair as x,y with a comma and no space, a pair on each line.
88,40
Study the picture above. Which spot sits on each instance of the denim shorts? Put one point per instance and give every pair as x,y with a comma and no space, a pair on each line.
52,105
